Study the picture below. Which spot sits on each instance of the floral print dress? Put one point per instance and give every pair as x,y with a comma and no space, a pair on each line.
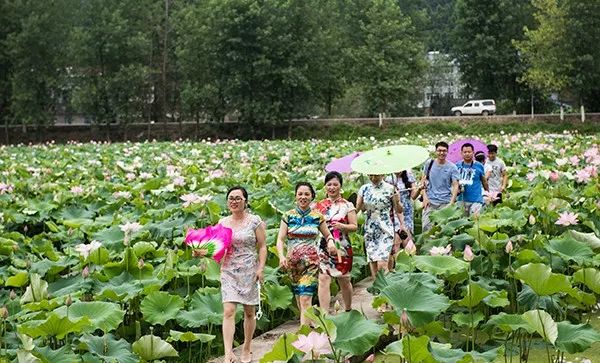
302,249
336,211
378,227
405,200
238,268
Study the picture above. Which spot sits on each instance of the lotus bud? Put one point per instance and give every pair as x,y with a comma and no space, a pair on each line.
12,295
370,359
554,176
68,301
28,264
141,263
202,266
468,254
509,247
15,248
337,306
404,319
25,229
531,219
4,312
410,248
70,231
86,272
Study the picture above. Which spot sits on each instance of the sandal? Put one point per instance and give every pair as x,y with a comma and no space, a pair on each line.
248,360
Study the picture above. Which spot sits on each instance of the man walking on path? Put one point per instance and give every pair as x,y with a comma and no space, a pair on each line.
471,180
495,172
440,182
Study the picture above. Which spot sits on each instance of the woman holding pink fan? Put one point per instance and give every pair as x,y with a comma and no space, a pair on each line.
241,269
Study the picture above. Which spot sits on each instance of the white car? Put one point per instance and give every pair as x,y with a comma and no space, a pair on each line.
475,107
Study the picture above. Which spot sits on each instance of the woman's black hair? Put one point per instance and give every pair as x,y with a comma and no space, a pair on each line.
404,177
238,187
334,175
306,184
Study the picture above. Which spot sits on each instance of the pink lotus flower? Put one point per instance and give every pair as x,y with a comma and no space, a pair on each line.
130,228
125,195
562,161
410,248
85,273
85,250
440,251
582,176
77,190
178,181
193,198
214,239
554,176
509,247
468,254
592,170
5,188
530,176
218,173
574,160
567,219
314,344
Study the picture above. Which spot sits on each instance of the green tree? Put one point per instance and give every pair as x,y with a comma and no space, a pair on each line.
561,51
389,60
110,49
482,42
37,52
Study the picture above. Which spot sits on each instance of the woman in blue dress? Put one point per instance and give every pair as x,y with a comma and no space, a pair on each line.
378,200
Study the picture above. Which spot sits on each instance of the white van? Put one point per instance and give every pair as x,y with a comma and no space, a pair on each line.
475,107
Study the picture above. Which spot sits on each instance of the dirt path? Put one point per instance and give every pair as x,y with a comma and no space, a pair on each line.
263,344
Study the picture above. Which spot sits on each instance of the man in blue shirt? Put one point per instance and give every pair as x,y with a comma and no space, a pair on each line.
440,182
472,181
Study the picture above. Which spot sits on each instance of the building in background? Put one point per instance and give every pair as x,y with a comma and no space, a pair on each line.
442,87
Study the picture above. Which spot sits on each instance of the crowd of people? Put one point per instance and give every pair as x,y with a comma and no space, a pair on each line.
313,244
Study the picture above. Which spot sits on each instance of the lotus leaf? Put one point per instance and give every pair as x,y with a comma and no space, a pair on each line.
355,334
569,249
541,279
36,291
277,296
61,355
590,277
509,322
464,319
150,347
574,338
282,351
109,349
54,326
105,316
189,336
473,295
441,265
421,303
590,239
160,306
18,280
413,349
542,323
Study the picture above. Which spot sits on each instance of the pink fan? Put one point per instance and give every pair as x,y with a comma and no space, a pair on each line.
214,239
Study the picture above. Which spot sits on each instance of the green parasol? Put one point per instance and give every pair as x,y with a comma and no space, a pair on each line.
390,159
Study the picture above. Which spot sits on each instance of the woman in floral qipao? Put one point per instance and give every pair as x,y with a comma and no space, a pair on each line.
378,200
241,269
301,227
340,216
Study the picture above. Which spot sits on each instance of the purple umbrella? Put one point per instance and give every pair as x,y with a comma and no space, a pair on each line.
342,165
454,152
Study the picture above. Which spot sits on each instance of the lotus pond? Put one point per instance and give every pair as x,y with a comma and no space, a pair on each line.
93,267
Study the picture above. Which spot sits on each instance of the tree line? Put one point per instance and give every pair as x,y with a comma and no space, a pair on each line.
268,61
